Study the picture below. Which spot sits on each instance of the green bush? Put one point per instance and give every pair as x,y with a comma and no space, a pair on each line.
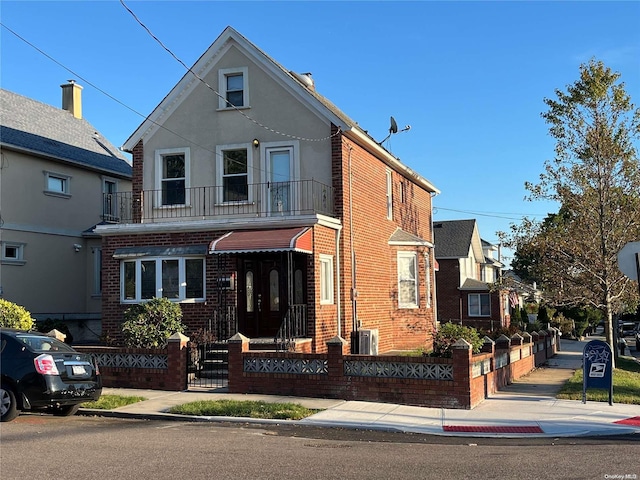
449,333
150,324
14,316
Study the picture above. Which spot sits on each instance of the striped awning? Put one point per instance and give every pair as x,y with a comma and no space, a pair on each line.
298,239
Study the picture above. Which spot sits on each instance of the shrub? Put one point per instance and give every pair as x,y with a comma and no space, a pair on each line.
449,333
150,324
14,316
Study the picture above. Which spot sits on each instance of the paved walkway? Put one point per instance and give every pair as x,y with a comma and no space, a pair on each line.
527,407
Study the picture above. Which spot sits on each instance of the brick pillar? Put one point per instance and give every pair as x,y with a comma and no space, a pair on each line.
177,362
337,348
237,345
462,365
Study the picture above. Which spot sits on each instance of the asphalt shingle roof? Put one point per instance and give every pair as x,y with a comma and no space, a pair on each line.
452,238
27,124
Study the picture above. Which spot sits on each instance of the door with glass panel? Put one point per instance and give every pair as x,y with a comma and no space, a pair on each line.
261,298
280,199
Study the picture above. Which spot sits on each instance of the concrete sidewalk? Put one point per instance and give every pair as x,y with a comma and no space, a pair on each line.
527,407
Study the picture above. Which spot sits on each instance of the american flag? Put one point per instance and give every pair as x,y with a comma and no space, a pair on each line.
513,299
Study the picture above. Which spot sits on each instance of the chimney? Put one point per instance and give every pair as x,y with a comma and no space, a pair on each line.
72,98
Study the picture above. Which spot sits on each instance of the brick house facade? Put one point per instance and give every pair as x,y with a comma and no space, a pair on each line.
319,231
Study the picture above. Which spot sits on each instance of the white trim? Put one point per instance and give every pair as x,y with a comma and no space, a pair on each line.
223,73
414,257
19,249
389,194
158,164
158,291
65,180
327,290
220,149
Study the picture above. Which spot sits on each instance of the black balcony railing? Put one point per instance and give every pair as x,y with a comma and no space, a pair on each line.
301,197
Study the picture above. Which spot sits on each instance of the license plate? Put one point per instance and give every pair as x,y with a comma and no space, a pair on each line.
78,370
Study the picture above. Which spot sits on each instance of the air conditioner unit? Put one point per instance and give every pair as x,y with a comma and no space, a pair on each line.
368,341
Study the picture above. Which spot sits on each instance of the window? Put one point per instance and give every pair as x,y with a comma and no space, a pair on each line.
109,189
56,184
13,253
326,279
173,278
427,278
233,85
234,173
479,305
389,196
172,176
407,280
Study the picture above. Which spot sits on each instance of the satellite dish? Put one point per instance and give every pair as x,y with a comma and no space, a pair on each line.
393,129
394,126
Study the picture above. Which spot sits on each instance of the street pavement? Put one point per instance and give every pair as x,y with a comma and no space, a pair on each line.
526,408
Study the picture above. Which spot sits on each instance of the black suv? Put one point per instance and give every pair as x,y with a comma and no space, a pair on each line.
40,372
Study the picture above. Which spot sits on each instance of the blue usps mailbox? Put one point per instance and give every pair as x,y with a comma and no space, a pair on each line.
597,368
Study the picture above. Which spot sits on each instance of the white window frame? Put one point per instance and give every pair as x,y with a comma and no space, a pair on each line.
294,171
65,181
389,178
479,312
159,159
427,277
223,73
402,255
18,259
327,290
182,284
220,149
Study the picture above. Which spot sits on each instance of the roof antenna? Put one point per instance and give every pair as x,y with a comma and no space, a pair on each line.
393,129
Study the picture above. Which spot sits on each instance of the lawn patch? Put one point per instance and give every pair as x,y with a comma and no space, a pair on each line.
249,409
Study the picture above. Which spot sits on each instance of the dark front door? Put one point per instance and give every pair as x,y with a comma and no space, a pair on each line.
262,297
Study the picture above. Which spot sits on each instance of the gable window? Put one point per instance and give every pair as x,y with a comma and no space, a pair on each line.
326,279
407,280
389,196
13,253
234,173
172,176
56,184
177,279
233,86
479,305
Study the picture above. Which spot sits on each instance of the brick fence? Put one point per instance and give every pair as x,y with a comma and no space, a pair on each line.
462,381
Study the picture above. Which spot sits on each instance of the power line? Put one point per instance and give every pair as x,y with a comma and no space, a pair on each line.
204,82
493,214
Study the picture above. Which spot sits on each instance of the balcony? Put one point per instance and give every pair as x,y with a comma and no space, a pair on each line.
175,203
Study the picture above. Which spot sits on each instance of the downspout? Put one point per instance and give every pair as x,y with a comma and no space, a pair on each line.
337,281
354,290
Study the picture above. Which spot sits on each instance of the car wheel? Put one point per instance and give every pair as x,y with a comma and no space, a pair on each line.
65,410
8,406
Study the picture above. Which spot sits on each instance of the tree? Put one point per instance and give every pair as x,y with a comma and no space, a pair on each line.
595,177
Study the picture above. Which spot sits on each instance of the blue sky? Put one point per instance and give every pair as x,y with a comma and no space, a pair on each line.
469,77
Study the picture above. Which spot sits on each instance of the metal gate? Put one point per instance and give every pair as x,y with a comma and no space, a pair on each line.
208,363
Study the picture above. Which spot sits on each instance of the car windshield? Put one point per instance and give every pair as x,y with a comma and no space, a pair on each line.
39,343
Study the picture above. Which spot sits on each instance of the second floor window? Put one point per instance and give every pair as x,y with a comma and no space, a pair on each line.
57,184
172,176
233,173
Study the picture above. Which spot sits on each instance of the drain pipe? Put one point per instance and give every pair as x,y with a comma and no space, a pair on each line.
337,281
354,290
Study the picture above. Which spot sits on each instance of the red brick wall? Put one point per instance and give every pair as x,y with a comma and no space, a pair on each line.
358,172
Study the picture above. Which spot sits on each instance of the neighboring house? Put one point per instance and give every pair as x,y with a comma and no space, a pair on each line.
467,280
521,293
263,209
55,170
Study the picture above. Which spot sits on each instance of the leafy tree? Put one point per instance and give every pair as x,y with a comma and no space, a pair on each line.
14,316
150,324
595,177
